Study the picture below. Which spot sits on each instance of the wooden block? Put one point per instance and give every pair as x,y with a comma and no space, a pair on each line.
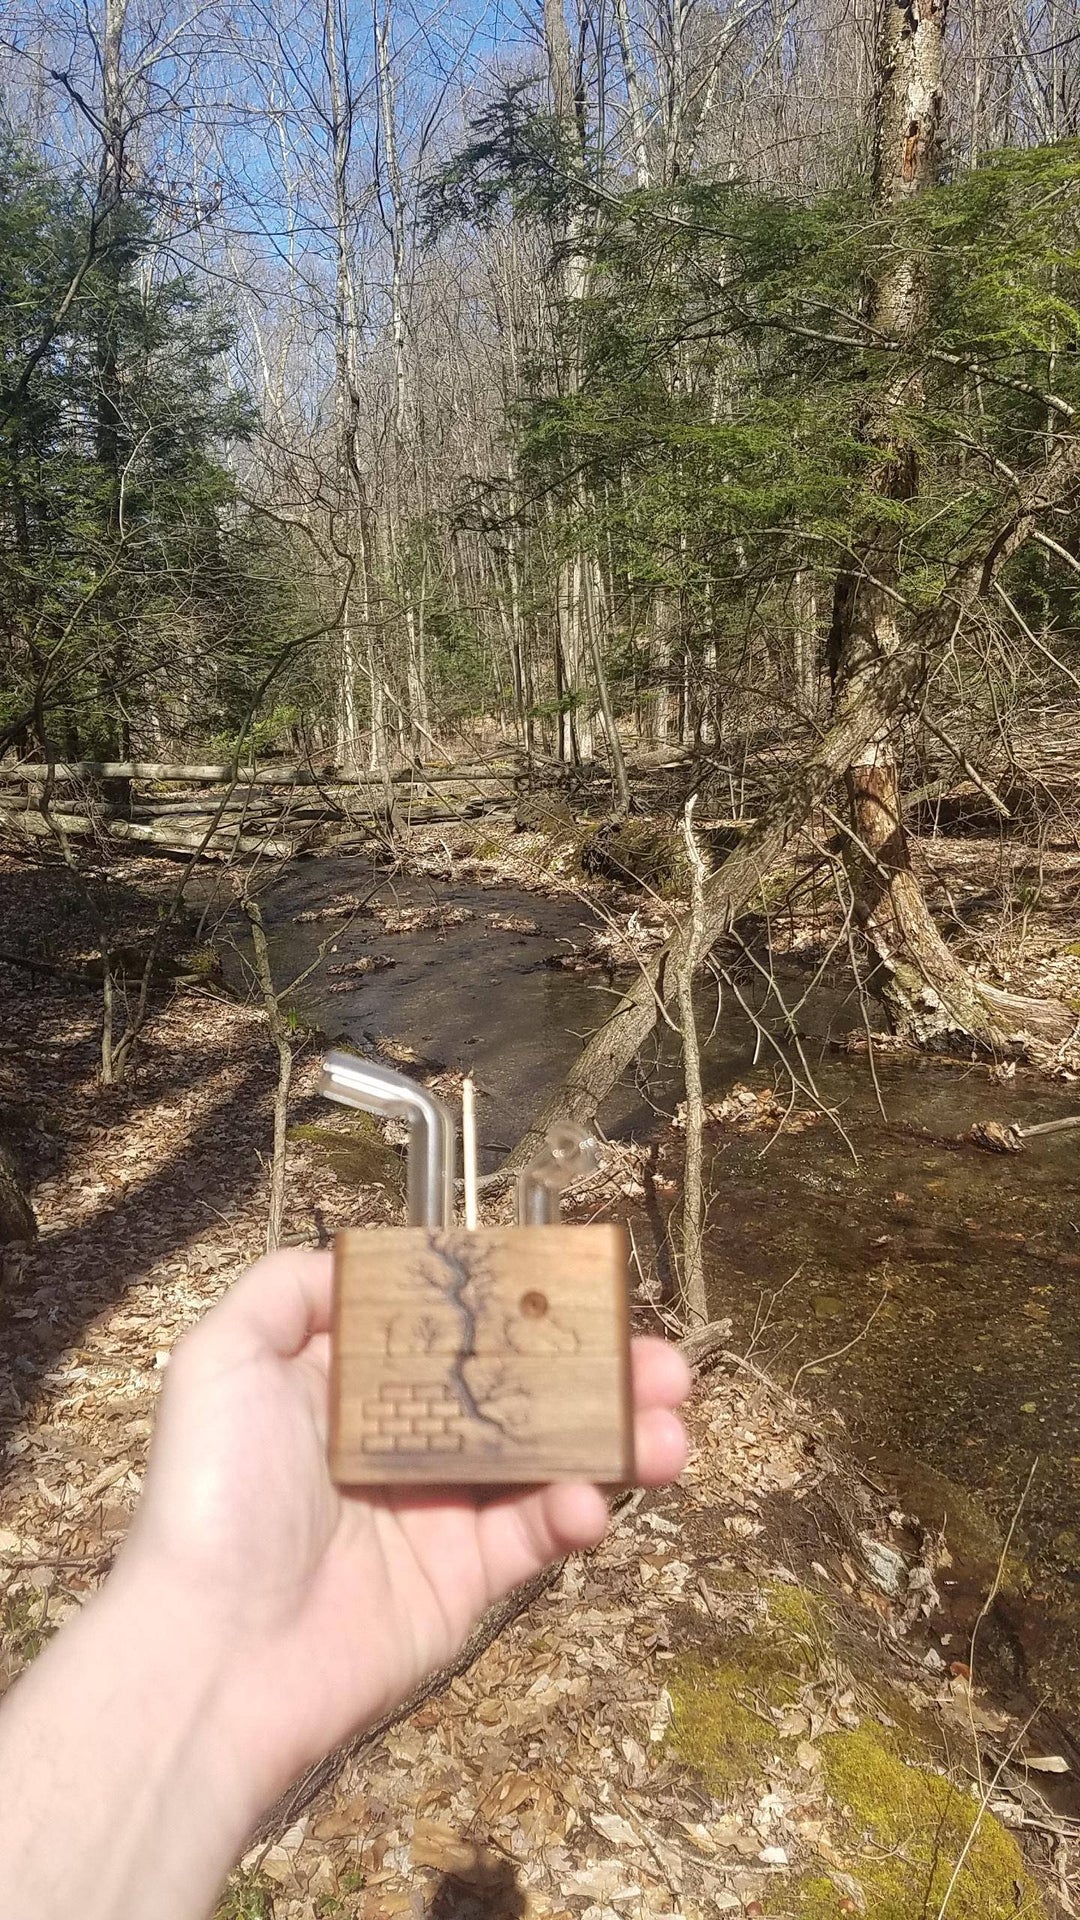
501,1355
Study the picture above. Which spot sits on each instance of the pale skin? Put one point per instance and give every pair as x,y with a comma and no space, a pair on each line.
256,1616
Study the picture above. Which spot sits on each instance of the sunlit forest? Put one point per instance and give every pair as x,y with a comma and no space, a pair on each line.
541,543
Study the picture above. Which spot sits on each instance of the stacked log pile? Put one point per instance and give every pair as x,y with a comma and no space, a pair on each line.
217,809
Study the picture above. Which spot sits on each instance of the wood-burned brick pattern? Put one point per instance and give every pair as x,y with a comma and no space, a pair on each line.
412,1417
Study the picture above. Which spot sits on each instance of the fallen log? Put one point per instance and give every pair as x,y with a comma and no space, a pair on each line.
78,826
36,773
230,813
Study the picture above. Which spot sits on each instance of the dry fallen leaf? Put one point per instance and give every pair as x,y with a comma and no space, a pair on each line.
662,1715
616,1829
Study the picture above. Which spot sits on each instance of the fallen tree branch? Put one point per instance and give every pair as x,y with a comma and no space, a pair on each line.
998,1136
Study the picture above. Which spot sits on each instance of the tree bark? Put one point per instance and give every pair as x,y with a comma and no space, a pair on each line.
166,838
109,426
279,1033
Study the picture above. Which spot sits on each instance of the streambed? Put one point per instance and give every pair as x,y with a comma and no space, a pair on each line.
950,1276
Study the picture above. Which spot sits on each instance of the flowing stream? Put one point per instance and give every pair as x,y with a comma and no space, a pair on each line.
945,1280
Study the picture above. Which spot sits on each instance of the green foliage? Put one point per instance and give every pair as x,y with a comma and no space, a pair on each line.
267,734
518,159
128,566
720,430
248,1896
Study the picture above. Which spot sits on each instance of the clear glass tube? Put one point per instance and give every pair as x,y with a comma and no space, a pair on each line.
569,1153
374,1088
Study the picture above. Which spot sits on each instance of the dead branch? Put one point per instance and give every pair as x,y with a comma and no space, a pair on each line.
692,1280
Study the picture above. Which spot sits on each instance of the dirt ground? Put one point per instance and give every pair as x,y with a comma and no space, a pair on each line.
673,1726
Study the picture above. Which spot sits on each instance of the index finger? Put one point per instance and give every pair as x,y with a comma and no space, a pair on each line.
278,1304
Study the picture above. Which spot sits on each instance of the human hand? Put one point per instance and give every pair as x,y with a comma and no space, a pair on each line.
318,1610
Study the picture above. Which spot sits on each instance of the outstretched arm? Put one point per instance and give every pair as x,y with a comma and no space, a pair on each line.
256,1616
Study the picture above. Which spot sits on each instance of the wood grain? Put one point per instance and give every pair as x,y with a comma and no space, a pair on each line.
496,1356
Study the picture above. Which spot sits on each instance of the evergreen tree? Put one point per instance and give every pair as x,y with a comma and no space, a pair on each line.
138,599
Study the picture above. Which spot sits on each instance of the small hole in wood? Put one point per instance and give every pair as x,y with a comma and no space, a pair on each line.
533,1305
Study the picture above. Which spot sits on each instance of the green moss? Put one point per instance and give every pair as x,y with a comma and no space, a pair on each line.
772,890
795,1612
562,850
897,1827
247,1896
358,1154
722,1725
200,963
24,1627
900,1831
716,1727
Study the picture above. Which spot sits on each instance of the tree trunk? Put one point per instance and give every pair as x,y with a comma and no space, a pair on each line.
350,486
570,275
114,126
17,1220
592,612
279,1033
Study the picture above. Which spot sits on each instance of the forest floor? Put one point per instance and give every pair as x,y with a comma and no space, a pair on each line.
746,1701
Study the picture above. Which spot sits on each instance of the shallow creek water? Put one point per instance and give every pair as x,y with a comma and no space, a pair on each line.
966,1265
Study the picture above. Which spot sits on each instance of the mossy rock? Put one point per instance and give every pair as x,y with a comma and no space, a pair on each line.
652,852
912,1841
899,1831
357,1154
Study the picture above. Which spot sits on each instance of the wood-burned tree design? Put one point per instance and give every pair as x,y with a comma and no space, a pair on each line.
476,1322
